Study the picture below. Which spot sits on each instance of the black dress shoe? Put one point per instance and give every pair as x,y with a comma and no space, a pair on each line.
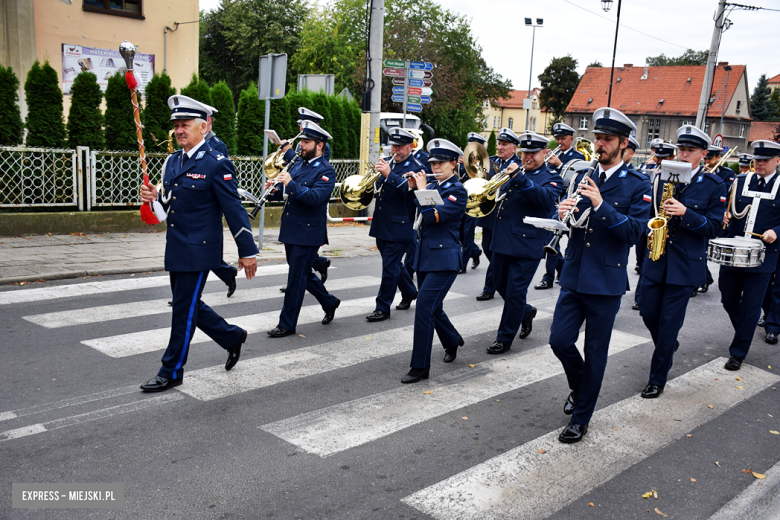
573,433
234,352
415,375
324,271
331,313
695,293
528,324
283,289
483,296
544,284
704,288
761,321
462,271
570,404
558,279
451,353
278,332
377,316
676,345
652,391
160,384
771,338
635,306
405,304
170,304
475,262
734,363
232,285
498,348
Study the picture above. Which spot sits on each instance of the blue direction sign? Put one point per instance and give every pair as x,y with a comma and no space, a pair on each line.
416,83
398,90
399,99
413,107
420,65
425,100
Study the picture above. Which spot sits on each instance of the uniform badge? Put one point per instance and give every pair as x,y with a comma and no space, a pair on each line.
452,198
406,163
723,199
316,164
448,185
324,178
220,157
554,184
196,175
622,174
228,177
200,155
647,198
700,178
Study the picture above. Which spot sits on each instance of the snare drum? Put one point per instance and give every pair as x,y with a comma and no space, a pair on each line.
736,252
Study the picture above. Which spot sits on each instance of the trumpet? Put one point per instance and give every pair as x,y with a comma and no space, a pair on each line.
552,153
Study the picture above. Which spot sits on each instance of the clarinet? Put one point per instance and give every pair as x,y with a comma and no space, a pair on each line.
272,187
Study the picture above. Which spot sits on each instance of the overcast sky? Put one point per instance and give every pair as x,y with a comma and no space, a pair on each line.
581,28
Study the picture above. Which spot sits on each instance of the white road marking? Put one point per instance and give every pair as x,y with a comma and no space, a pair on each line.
760,501
127,284
340,427
124,345
73,401
53,320
526,484
214,382
89,416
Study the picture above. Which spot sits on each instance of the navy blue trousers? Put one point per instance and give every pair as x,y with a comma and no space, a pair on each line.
512,275
771,304
394,274
662,307
301,278
553,265
225,272
319,263
189,313
584,375
487,237
470,249
741,293
429,316
409,258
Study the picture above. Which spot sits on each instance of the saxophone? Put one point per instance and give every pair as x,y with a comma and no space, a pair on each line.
658,226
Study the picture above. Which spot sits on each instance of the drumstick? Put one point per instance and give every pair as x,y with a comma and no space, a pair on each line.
755,234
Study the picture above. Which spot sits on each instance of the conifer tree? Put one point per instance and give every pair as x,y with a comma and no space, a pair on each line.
762,107
280,119
491,145
11,126
120,125
45,126
225,118
250,122
198,90
339,128
156,113
85,120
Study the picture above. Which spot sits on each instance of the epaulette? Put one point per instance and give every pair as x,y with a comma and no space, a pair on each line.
417,161
637,174
216,154
714,178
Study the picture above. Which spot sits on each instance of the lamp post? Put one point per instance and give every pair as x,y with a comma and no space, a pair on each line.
210,37
607,5
727,68
529,22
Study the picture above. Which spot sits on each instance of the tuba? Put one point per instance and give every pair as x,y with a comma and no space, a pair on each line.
357,191
481,192
585,147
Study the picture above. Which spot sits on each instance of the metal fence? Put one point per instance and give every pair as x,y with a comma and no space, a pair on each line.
32,177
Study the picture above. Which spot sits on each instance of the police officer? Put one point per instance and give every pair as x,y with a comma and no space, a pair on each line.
715,154
694,216
199,187
564,135
611,216
418,150
468,224
308,186
652,162
744,162
517,246
742,288
392,225
437,257
506,149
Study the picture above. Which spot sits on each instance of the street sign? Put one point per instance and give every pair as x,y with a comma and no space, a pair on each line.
393,72
398,99
413,99
426,83
413,107
414,91
725,150
425,100
394,63
420,65
425,91
398,90
420,74
399,81
718,141
416,82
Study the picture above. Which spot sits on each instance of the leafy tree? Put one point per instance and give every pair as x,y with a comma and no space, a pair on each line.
225,119
11,126
120,125
559,82
198,90
250,122
689,57
156,113
85,120
491,146
44,107
596,63
762,108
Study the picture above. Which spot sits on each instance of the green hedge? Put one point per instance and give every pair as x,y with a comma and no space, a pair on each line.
45,127
156,114
85,120
11,126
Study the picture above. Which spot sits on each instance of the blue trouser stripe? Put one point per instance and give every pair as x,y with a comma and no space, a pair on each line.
188,330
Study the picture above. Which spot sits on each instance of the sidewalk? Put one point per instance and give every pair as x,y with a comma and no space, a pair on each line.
52,257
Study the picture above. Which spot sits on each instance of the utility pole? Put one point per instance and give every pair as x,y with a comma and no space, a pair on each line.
712,61
375,44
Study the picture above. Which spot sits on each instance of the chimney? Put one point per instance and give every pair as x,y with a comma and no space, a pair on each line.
644,76
722,63
628,65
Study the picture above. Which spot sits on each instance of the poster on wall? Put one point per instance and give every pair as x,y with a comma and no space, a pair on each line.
103,63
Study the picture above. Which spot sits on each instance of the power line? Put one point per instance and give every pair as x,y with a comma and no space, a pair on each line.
625,26
743,7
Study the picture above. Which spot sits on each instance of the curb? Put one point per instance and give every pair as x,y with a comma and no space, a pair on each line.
64,275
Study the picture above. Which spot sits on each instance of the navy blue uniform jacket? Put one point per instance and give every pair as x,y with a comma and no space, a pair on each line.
216,143
392,220
439,246
768,218
597,254
200,192
532,194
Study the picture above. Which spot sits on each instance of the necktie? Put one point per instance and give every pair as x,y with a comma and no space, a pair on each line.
602,178
761,184
183,155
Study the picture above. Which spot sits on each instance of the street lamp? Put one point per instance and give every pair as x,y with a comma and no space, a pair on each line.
529,22
727,68
210,37
607,5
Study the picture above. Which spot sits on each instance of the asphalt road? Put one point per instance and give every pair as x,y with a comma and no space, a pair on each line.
317,425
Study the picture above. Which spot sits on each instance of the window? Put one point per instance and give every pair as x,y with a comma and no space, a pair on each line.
486,104
494,121
707,127
533,124
583,123
691,123
499,121
739,105
131,8
511,123
742,130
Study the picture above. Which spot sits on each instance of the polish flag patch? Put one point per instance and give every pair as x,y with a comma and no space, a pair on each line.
647,198
723,199
452,198
324,178
228,177
554,183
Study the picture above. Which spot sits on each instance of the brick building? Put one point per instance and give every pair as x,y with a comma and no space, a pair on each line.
509,112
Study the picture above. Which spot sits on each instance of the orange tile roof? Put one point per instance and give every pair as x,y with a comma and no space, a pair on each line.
515,99
776,79
633,95
763,130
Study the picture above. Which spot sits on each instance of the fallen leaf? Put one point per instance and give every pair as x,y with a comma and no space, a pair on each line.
775,432
301,335
428,392
648,494
368,338
615,429
655,494
739,378
132,275
710,406
747,471
472,366
759,475
465,418
541,450
23,283
693,479
690,435
715,379
658,512
717,463
739,387
768,366
770,415
591,504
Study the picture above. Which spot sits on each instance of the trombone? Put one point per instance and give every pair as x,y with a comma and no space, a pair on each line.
722,161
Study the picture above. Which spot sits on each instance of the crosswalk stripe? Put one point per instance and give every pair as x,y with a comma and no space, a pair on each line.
124,345
89,416
542,476
53,320
214,382
73,401
127,284
346,425
758,502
